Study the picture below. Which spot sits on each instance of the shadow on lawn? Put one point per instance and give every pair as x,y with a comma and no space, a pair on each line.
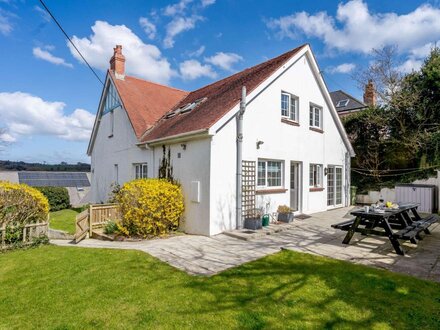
293,290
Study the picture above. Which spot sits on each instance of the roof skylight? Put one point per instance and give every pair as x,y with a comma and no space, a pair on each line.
342,103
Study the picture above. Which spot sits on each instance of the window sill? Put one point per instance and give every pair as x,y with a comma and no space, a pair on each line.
316,189
315,129
270,191
289,122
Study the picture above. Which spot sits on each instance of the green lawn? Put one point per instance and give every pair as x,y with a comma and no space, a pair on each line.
69,288
63,220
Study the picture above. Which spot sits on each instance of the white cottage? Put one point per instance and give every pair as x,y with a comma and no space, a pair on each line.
293,147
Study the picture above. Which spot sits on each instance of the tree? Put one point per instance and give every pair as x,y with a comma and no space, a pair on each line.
383,72
404,131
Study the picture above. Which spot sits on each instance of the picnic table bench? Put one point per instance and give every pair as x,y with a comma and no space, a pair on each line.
382,224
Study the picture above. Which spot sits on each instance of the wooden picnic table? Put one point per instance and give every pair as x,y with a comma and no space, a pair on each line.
406,220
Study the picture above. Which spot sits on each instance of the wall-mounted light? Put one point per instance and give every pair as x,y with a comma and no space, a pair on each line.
325,170
259,143
183,145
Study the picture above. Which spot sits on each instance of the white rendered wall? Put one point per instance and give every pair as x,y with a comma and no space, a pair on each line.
193,165
120,149
262,122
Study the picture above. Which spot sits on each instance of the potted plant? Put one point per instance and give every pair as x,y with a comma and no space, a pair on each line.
253,220
285,214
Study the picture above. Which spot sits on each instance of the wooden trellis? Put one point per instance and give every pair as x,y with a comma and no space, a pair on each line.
248,188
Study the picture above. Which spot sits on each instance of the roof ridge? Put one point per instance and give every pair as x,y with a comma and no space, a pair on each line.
154,83
252,67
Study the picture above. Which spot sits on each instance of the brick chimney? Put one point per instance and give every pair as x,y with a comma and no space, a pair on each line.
117,63
370,94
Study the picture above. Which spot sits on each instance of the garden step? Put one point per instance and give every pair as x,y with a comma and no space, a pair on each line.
99,234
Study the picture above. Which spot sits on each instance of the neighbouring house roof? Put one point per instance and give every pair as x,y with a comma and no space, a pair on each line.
215,100
145,101
344,102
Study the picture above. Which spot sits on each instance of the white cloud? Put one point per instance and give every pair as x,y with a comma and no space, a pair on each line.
43,13
356,29
411,64
143,60
198,52
5,23
192,69
206,3
26,114
177,8
224,60
6,137
47,56
177,26
148,26
342,68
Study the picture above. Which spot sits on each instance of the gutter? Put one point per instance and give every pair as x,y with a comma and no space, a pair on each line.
177,137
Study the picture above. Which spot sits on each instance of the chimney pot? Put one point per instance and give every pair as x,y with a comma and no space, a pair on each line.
117,63
370,94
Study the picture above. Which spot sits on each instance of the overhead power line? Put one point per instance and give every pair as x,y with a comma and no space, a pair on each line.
70,40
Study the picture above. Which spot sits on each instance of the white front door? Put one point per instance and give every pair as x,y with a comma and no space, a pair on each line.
295,186
334,186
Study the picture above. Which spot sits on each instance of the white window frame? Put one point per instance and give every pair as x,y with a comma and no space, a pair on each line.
315,109
266,179
292,107
141,171
315,181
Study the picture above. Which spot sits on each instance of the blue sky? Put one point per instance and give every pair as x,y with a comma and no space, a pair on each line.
48,97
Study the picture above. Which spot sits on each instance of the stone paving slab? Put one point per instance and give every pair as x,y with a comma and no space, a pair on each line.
200,255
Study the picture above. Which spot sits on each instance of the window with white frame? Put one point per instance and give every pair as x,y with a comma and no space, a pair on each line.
289,106
315,116
316,175
270,173
141,171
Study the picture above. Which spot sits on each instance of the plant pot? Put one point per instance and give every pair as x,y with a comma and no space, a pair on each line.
252,223
285,217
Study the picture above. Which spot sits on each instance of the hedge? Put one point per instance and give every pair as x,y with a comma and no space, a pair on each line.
58,197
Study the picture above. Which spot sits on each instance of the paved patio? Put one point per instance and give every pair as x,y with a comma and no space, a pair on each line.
201,255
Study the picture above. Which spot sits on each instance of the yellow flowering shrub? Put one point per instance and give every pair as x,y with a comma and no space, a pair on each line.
21,204
149,207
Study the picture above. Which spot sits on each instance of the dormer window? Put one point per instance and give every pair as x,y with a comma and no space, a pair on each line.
342,103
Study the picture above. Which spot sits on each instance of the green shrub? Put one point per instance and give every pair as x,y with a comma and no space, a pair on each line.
110,227
149,207
58,197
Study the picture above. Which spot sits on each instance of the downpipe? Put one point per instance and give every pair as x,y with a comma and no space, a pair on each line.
239,175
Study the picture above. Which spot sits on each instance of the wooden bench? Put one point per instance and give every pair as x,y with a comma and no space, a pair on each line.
345,225
414,230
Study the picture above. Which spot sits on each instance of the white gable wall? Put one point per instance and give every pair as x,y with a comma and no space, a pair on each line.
120,149
262,122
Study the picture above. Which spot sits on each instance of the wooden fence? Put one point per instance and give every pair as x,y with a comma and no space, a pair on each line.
30,231
96,216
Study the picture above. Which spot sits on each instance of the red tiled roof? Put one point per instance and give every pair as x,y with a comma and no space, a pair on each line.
221,97
145,102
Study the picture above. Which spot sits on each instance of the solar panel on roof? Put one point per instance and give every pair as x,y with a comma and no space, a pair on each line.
54,179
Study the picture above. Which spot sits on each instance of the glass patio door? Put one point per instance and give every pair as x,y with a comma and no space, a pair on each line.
334,186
